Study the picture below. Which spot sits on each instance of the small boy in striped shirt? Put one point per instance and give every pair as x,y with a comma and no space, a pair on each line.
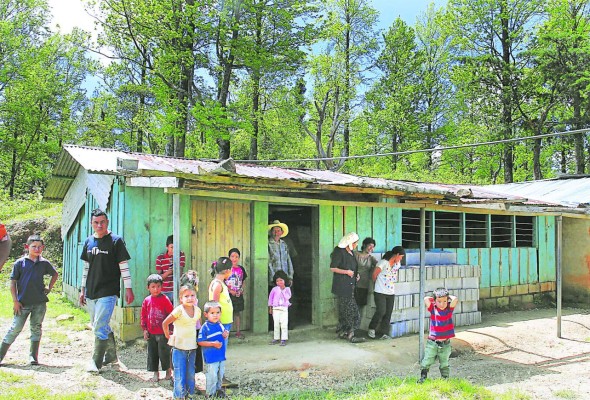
441,306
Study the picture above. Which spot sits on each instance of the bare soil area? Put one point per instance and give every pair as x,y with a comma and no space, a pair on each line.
513,351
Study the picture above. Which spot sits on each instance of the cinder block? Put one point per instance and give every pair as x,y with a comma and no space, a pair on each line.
528,299
403,288
442,272
546,287
458,308
496,291
488,304
472,282
469,306
434,283
510,291
453,283
534,287
477,271
484,293
401,275
447,258
429,273
516,302
503,302
522,289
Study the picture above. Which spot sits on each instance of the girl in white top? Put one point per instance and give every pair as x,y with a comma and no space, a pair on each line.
184,341
384,276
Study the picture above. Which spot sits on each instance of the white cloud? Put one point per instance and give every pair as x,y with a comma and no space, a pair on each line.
69,14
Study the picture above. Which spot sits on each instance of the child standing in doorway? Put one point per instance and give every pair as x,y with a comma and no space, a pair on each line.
212,340
235,285
29,296
441,306
278,307
184,341
154,309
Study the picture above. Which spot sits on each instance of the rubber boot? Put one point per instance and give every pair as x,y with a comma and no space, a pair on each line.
423,376
3,350
111,352
34,354
100,347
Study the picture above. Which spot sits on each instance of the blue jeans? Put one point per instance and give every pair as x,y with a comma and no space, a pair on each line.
100,311
184,372
170,296
37,313
227,327
214,374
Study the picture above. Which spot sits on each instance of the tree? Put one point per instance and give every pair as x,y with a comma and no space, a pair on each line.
492,36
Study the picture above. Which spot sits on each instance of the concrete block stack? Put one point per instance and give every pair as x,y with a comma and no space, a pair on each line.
461,281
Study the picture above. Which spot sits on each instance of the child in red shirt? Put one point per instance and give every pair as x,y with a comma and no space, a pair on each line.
154,309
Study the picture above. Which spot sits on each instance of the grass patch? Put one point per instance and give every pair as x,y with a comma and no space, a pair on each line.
57,305
7,377
29,207
58,337
405,389
565,394
35,392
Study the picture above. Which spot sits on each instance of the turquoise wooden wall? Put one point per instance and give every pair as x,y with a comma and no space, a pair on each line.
383,224
501,266
146,214
143,216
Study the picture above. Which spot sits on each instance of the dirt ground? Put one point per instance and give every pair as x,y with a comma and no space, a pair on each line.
513,351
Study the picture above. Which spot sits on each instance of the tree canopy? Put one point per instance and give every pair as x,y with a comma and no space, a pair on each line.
294,79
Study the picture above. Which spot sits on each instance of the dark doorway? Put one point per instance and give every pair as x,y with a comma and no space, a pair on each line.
298,219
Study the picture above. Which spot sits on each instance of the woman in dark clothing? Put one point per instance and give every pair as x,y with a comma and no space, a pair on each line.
344,266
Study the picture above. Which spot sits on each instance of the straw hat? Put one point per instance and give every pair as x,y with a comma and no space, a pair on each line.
348,239
281,225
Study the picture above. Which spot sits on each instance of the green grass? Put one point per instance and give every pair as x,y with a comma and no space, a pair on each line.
31,207
565,394
18,387
405,389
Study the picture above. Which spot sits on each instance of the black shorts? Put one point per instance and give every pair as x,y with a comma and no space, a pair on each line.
237,303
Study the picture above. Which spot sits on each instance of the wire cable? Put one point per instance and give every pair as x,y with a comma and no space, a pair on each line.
400,153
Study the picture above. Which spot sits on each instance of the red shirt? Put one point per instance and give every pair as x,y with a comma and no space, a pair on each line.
154,311
163,264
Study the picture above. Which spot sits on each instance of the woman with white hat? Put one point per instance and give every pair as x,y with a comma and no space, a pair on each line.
344,266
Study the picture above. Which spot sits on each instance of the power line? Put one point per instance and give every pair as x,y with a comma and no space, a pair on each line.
399,153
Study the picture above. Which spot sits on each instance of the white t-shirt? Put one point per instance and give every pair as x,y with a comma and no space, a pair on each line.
386,278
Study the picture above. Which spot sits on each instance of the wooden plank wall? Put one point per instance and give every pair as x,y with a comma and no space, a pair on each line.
383,224
219,226
501,266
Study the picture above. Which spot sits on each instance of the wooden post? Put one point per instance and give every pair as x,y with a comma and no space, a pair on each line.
176,243
558,244
421,313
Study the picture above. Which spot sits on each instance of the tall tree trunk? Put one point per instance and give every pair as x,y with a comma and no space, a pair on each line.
256,91
347,83
506,95
579,138
139,143
537,174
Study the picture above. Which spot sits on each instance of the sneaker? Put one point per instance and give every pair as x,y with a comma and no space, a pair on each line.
283,343
274,342
371,333
384,337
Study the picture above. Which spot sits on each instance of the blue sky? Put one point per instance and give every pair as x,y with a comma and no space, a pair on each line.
408,10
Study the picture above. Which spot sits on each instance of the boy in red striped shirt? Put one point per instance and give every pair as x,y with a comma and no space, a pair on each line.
164,268
441,306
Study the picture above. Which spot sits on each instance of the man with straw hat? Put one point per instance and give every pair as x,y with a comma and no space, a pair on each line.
278,251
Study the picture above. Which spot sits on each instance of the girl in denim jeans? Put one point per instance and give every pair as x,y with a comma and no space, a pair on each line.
184,341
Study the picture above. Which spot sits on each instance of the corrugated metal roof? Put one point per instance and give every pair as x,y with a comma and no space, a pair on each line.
566,191
104,161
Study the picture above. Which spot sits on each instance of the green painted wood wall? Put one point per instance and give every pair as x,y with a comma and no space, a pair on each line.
383,224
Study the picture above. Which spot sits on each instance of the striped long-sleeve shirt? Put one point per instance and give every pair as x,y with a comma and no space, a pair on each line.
441,323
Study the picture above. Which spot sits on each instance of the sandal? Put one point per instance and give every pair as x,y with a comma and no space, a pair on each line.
343,335
240,335
356,339
274,342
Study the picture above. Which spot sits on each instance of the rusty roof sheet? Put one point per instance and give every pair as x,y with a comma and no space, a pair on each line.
104,161
568,191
